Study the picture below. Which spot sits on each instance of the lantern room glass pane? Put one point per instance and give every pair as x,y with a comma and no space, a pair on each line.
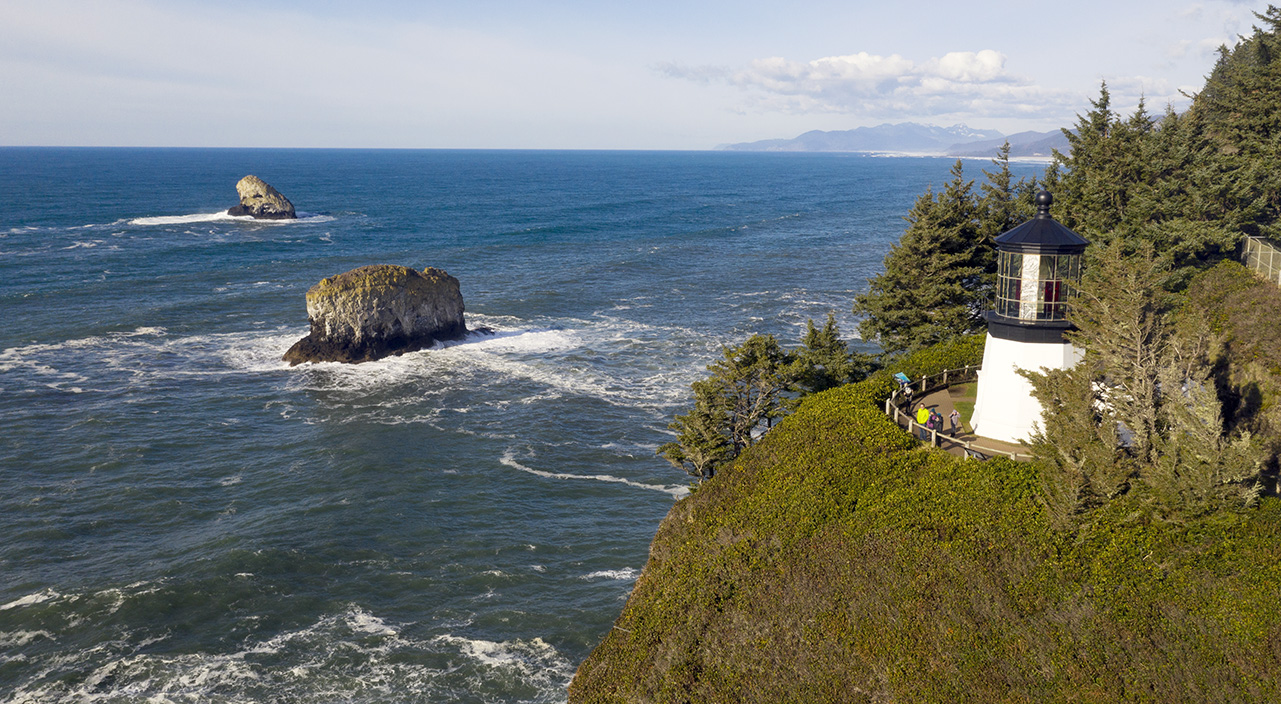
1034,287
1009,268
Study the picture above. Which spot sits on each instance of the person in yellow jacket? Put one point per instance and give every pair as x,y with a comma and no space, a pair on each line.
922,417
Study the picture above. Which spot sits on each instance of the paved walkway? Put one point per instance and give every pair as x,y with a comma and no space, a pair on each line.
942,401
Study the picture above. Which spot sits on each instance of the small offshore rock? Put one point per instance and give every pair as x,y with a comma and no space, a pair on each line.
378,311
260,200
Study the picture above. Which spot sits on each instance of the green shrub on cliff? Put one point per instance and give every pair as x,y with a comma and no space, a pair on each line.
837,560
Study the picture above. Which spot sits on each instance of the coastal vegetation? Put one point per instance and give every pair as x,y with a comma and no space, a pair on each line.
835,559
1176,398
838,560
751,386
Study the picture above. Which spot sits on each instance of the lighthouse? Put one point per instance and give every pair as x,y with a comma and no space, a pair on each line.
1038,267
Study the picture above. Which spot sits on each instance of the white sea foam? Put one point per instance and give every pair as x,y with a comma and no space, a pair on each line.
527,657
533,355
132,357
350,655
222,216
616,361
365,623
187,219
676,491
38,598
625,574
21,638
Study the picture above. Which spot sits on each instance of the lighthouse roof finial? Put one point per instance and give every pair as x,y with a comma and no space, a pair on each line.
1043,202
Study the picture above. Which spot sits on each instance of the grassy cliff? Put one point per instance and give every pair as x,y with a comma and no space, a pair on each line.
839,561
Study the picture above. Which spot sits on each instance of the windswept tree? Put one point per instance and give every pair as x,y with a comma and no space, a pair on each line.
745,392
702,443
750,387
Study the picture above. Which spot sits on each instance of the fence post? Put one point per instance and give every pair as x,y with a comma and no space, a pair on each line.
945,371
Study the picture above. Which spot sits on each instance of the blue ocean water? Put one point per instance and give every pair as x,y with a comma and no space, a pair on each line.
186,518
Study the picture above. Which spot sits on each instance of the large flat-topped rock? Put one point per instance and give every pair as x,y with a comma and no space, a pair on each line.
377,311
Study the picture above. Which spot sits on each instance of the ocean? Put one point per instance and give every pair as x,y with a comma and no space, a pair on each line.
185,518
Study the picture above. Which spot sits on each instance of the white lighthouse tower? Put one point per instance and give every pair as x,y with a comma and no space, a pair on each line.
1038,267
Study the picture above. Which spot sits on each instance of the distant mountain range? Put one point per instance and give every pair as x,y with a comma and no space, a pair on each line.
913,138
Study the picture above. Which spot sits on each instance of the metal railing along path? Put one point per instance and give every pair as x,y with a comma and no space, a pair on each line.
919,389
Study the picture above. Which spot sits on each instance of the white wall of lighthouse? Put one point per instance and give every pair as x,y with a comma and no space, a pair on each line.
1005,408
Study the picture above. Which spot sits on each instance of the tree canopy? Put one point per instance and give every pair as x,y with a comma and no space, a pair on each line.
939,277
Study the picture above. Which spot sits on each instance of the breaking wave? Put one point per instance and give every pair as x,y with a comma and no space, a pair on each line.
222,216
676,491
351,655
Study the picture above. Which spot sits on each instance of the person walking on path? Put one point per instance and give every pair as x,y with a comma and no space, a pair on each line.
955,417
922,417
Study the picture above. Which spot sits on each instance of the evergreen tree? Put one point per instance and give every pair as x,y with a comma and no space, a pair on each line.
747,389
1108,158
1079,442
1184,205
1146,405
748,385
824,360
1239,110
997,211
1120,313
933,287
1202,464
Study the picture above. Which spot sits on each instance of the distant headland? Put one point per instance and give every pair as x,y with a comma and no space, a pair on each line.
913,138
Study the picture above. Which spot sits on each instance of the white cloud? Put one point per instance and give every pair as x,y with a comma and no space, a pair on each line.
970,83
970,67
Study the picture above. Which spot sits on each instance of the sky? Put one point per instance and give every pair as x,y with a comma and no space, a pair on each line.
573,74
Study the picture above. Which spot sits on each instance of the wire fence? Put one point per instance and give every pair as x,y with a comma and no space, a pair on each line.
1263,257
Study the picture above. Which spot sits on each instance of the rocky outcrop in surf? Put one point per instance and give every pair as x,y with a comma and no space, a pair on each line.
378,311
260,200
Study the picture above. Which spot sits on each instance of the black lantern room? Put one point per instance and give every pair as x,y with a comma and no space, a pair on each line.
1037,269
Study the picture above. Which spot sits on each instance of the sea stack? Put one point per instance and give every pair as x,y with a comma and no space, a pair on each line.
378,311
261,201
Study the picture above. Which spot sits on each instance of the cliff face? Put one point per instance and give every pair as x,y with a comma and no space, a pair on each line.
260,200
838,560
375,311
